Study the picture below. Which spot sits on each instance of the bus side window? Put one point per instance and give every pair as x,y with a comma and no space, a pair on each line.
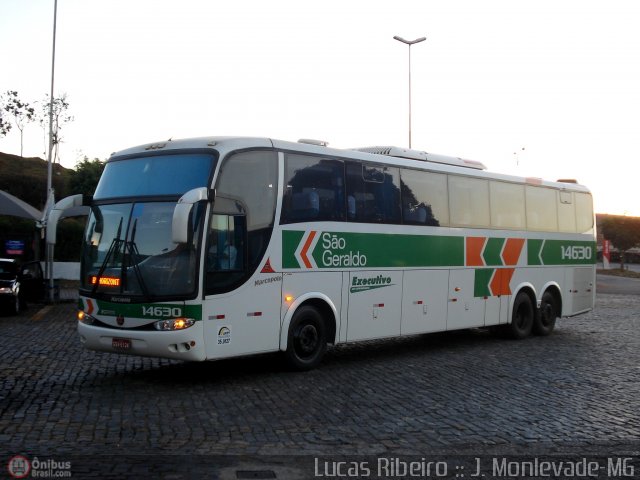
373,193
242,221
424,198
226,243
314,189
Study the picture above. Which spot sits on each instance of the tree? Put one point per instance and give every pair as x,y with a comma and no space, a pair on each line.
60,118
623,232
86,175
5,126
21,112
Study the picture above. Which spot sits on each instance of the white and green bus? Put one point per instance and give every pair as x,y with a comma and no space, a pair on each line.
212,248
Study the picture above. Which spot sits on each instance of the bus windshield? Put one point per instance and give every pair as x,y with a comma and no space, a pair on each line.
171,174
128,250
127,245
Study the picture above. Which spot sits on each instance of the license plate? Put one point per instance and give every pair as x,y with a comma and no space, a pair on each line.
121,343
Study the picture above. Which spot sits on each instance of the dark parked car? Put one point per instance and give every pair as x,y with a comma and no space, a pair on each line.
20,284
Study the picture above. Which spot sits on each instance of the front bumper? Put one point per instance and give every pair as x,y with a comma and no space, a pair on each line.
187,344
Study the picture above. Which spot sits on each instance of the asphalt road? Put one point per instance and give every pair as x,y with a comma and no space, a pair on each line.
449,399
610,284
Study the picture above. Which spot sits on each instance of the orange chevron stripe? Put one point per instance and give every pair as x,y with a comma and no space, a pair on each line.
305,249
512,250
500,283
474,251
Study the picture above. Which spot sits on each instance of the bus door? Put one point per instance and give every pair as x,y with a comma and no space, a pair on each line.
245,317
242,299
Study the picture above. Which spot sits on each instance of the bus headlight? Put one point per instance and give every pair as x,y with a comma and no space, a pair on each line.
85,318
174,324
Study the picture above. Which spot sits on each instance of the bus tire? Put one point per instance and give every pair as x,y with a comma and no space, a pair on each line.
522,317
545,321
307,341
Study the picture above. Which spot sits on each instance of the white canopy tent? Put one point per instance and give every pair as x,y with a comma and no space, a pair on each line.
14,207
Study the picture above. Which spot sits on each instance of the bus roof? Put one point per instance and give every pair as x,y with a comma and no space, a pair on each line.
397,156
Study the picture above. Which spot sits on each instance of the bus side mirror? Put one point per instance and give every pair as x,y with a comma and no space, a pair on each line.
181,223
58,209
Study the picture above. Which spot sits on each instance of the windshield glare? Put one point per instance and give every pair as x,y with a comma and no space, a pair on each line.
171,174
128,250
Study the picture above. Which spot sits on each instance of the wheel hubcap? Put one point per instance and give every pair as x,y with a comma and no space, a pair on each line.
522,317
307,339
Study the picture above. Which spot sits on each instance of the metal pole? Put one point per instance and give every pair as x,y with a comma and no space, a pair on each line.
409,95
50,191
409,43
53,64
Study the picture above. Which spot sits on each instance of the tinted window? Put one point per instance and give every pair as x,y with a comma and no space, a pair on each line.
373,193
155,175
424,198
507,205
566,212
242,219
541,209
584,212
469,202
314,190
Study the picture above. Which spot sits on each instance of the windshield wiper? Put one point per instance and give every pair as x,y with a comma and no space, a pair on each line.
114,248
134,253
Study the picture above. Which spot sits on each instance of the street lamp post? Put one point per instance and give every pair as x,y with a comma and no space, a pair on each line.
410,42
49,252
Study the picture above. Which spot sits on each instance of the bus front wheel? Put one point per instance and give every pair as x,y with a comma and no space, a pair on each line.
307,340
522,317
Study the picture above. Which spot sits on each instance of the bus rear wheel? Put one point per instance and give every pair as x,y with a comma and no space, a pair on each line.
307,340
545,321
522,317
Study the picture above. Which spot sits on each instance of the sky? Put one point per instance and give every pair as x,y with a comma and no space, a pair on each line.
541,88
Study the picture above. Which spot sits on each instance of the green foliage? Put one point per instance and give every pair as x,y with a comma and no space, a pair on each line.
5,126
69,241
26,178
624,233
60,116
86,176
16,226
21,112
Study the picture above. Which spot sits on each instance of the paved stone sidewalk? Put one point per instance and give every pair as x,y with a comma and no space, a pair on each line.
467,393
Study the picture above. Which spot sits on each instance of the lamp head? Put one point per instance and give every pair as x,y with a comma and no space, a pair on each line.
410,42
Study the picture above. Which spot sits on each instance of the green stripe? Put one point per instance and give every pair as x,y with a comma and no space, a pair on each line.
340,250
381,250
567,252
482,280
149,310
492,251
533,252
290,241
561,252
